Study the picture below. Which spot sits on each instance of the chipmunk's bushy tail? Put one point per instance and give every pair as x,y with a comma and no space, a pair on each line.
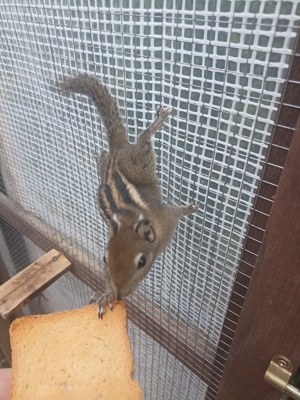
107,107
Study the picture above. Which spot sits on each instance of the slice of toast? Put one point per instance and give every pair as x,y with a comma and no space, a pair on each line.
73,355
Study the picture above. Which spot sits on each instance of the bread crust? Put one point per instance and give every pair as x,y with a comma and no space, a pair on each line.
73,355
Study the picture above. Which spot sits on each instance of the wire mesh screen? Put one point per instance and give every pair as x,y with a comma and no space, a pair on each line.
221,65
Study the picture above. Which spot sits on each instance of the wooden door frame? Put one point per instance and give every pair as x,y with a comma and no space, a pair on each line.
269,321
286,126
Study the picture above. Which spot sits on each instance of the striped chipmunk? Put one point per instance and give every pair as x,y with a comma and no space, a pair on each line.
129,198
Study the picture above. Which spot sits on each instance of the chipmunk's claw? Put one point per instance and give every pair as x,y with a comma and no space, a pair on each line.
102,301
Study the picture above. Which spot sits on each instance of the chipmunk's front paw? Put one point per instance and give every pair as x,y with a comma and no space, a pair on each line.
163,112
102,301
193,207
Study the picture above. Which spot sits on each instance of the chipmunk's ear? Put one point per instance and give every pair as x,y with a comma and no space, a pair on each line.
145,230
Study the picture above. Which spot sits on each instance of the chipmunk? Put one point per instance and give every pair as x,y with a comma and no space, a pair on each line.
129,197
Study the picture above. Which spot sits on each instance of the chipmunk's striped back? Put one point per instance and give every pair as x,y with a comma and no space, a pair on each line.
118,197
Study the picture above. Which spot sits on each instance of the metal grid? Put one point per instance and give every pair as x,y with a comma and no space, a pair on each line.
221,66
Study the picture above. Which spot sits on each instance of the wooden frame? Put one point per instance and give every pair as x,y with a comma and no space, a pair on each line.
284,130
270,320
31,281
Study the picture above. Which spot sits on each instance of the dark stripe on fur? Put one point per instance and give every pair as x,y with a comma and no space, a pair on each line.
122,189
110,199
102,207
105,214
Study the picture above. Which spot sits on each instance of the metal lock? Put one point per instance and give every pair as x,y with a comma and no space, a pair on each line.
279,374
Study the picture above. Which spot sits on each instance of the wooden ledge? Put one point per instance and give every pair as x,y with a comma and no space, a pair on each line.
32,280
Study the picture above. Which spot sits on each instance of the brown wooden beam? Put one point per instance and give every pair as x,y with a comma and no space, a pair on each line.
36,277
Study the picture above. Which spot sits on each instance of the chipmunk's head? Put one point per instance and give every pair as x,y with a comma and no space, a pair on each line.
130,253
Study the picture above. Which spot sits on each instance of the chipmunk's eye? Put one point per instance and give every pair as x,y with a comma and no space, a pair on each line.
104,260
142,262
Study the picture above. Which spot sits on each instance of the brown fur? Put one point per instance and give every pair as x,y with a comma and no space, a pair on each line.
129,196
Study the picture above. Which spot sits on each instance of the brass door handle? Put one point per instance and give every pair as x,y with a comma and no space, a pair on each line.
279,374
